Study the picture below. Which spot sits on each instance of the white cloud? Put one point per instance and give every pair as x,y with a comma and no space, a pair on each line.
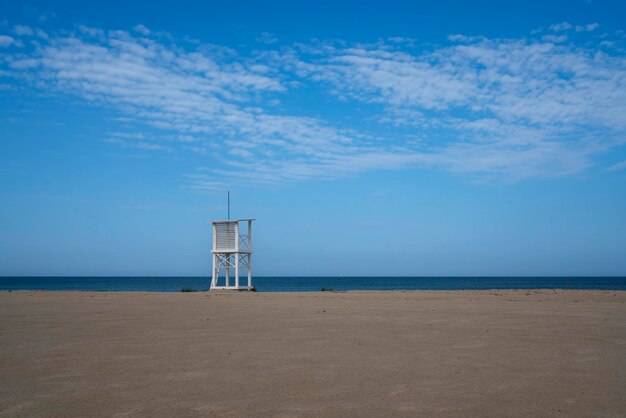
6,41
206,95
504,109
492,107
141,29
138,144
23,64
514,80
463,38
22,30
46,16
554,38
267,38
558,27
132,141
617,167
94,32
587,28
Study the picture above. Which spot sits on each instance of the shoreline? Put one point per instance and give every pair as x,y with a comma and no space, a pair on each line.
533,290
265,284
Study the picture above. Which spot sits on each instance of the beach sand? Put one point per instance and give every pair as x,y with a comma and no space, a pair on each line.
393,353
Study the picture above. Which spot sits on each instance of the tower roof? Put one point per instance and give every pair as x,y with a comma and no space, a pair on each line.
233,220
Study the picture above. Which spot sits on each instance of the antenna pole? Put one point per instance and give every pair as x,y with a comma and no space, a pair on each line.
229,205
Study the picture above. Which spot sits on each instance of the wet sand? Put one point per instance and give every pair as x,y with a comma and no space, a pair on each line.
402,353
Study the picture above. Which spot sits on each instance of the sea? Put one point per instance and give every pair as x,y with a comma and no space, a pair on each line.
304,283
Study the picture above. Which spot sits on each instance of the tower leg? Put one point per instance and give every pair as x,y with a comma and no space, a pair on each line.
250,254
227,270
237,270
213,277
250,271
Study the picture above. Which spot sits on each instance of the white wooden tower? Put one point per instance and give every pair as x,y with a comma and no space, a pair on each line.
232,253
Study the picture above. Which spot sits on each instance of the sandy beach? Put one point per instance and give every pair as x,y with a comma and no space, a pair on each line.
393,353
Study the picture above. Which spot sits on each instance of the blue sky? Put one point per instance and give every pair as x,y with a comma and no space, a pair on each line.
367,138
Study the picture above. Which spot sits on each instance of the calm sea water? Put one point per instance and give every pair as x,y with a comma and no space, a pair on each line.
293,284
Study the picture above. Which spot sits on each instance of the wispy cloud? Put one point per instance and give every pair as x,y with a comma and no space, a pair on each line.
44,17
267,38
514,107
6,41
209,95
22,30
497,108
141,29
617,167
558,27
587,28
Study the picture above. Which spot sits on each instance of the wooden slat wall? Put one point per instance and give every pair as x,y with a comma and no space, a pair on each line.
225,235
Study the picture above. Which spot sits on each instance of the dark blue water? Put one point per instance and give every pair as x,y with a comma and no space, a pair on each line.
293,284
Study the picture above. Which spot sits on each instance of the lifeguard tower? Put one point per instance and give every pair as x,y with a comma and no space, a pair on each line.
232,253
